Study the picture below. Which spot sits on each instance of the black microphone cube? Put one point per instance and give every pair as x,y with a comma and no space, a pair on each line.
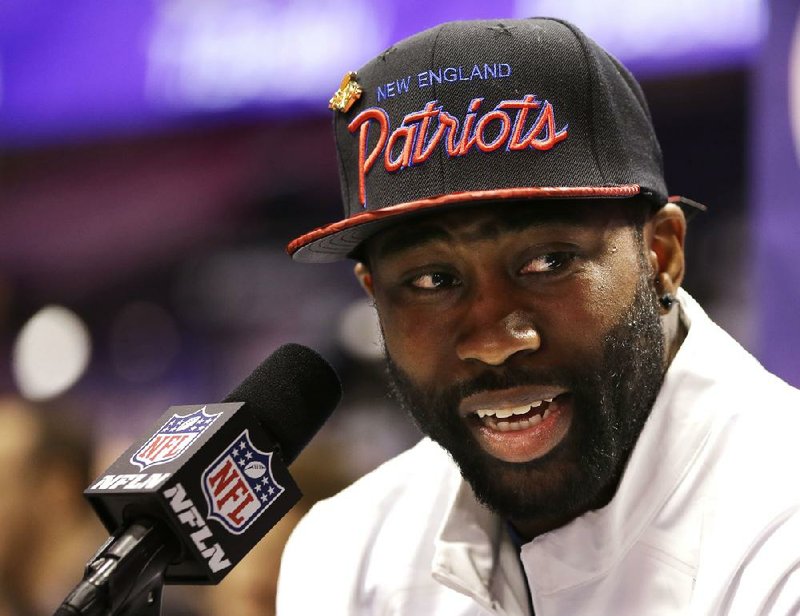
209,473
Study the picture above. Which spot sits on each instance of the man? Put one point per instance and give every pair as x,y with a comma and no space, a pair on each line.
597,445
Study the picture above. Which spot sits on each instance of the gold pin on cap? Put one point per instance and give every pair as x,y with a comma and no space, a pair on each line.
348,93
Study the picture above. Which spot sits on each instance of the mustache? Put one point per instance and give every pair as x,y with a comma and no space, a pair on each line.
509,377
493,379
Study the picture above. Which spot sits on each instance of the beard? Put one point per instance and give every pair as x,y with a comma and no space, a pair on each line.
612,395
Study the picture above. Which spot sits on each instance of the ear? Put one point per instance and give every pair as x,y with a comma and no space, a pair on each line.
364,278
665,234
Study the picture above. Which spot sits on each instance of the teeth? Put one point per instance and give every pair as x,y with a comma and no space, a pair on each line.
522,424
506,413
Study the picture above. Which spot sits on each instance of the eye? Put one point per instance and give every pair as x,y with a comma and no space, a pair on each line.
548,263
434,280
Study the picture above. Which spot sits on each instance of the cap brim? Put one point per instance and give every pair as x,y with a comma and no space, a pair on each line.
338,240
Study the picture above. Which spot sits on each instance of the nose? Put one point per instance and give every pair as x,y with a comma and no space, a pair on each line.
494,342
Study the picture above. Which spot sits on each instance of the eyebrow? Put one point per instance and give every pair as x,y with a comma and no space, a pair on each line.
400,238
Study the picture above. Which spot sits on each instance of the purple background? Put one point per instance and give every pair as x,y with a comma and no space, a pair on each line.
95,67
776,184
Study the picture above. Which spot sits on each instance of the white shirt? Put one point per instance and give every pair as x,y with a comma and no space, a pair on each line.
706,519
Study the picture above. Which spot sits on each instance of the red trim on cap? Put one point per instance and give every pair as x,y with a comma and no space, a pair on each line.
534,192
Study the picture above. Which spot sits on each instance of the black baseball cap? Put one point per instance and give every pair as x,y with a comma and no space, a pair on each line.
471,112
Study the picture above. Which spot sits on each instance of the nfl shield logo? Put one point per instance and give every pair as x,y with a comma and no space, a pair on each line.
173,438
239,485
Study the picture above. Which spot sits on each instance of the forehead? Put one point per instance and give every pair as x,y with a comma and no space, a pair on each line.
491,221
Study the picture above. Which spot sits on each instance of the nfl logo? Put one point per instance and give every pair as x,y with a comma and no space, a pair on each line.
173,438
239,485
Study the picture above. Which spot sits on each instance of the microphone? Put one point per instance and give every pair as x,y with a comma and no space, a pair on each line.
187,501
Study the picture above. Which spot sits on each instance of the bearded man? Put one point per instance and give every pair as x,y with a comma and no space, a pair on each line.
595,443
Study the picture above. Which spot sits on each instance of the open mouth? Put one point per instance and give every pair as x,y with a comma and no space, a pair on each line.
521,423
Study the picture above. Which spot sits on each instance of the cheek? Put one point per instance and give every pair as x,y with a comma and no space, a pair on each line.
416,341
591,307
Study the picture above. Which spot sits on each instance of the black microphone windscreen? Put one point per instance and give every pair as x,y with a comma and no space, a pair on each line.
292,393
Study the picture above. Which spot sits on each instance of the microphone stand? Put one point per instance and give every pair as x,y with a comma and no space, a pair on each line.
126,576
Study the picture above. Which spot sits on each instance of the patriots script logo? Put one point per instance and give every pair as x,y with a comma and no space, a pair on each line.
173,438
239,485
421,132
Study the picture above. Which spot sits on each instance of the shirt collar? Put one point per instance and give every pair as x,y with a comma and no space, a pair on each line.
474,555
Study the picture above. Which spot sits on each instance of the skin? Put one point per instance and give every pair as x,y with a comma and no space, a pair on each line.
520,286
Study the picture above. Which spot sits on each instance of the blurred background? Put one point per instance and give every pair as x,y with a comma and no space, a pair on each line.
157,155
